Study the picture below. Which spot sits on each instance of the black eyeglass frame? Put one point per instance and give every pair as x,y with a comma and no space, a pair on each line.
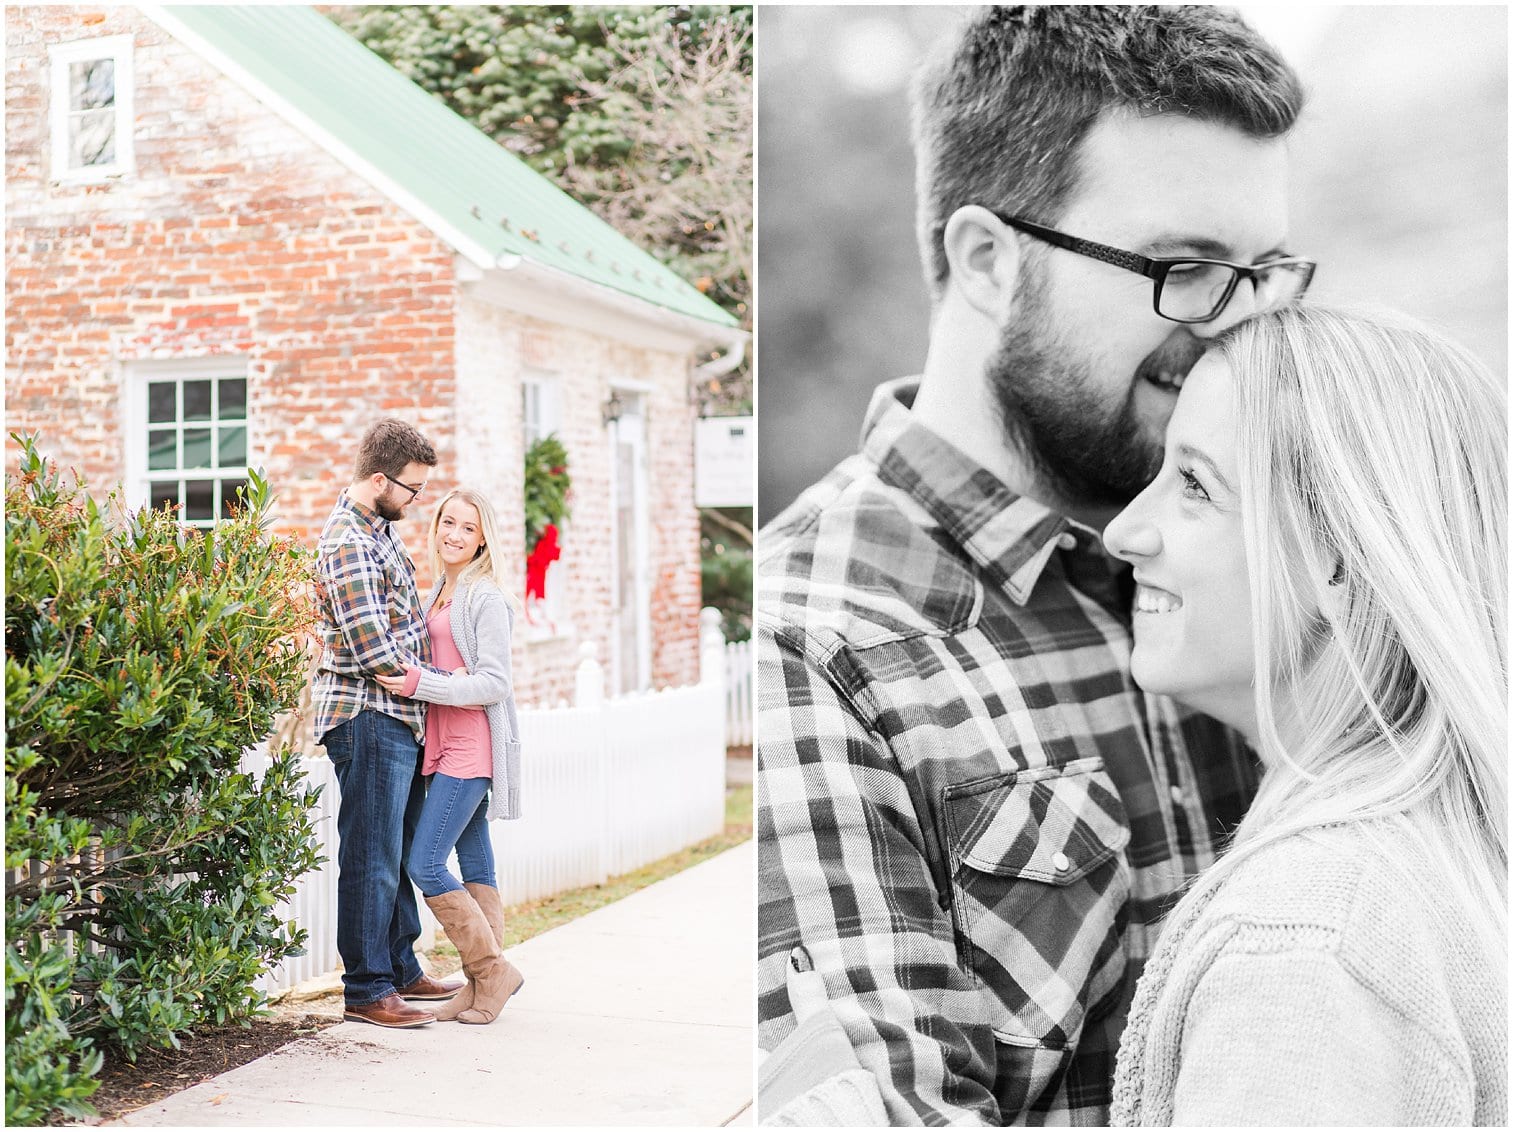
1158,268
414,491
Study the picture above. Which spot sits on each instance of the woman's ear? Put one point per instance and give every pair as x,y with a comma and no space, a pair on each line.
983,255
1333,599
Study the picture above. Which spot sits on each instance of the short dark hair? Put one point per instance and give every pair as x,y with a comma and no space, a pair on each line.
388,446
1000,111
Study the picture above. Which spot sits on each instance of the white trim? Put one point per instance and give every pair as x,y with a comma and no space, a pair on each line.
470,248
132,390
633,385
641,517
549,416
209,365
559,297
703,335
118,49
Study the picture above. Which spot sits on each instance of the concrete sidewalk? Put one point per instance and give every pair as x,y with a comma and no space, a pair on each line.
641,1013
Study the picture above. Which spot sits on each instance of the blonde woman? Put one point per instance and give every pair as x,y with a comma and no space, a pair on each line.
472,749
1322,563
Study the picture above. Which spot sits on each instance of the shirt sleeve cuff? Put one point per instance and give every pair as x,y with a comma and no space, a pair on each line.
412,679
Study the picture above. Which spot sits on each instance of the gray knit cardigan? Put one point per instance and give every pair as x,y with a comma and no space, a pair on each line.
1317,985
481,624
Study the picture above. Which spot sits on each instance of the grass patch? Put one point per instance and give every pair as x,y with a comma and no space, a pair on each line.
522,921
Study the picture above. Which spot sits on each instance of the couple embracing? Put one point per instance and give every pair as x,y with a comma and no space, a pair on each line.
1134,732
413,704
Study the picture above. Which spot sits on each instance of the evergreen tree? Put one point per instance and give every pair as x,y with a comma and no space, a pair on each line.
642,113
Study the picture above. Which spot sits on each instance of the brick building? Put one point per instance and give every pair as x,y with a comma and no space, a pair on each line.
234,237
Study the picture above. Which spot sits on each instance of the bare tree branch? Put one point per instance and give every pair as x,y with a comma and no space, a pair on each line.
719,519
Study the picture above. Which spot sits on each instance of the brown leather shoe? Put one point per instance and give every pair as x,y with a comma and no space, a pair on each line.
428,989
389,1011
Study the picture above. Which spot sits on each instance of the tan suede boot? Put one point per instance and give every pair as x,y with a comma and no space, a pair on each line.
493,907
492,977
463,999
487,898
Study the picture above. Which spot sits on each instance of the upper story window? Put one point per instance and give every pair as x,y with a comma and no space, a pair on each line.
91,109
189,445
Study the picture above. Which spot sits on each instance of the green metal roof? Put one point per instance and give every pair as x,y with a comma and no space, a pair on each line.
472,191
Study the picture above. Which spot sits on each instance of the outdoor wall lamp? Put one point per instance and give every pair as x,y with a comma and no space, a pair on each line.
611,408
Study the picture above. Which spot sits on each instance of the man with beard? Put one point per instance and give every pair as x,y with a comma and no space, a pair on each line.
372,624
970,818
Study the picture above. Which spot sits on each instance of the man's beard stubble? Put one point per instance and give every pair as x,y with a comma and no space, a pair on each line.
1084,450
387,508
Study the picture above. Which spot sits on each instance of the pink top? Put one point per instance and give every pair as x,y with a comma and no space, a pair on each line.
457,738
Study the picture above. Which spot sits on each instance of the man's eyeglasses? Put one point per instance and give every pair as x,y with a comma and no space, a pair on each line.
1188,289
414,491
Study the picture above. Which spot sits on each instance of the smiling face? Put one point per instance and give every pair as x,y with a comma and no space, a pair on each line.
1183,534
459,534
1087,373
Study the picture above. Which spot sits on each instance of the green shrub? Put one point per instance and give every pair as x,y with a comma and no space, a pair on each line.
725,567
547,483
143,870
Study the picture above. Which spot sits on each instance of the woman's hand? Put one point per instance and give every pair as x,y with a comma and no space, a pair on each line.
394,685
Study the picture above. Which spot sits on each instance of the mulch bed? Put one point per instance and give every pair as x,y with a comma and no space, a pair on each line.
125,1087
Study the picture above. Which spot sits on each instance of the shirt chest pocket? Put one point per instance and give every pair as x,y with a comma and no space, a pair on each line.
402,597
401,609
1039,886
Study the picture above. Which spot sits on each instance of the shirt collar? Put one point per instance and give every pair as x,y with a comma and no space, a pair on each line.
1011,536
372,518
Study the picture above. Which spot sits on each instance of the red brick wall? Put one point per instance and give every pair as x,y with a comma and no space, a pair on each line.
236,235
675,594
495,348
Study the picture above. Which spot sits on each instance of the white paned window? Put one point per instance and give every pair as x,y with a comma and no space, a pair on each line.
543,408
542,417
91,109
190,442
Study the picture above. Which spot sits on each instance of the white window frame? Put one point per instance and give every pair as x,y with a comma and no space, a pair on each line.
543,392
139,377
117,48
541,415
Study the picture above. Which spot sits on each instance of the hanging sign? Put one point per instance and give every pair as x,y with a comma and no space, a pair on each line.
725,462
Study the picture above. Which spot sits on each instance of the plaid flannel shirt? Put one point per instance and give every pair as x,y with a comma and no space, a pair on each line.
370,617
969,817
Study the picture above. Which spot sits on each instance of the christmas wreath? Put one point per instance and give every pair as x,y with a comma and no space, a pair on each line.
547,485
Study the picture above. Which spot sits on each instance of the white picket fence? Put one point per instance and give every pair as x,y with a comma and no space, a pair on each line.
738,694
608,785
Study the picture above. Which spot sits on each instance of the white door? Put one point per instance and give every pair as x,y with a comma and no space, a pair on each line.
632,593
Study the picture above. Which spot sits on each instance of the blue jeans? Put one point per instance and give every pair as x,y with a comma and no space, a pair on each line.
377,764
455,815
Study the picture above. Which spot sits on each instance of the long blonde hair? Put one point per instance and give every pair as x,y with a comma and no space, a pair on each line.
485,564
1373,480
